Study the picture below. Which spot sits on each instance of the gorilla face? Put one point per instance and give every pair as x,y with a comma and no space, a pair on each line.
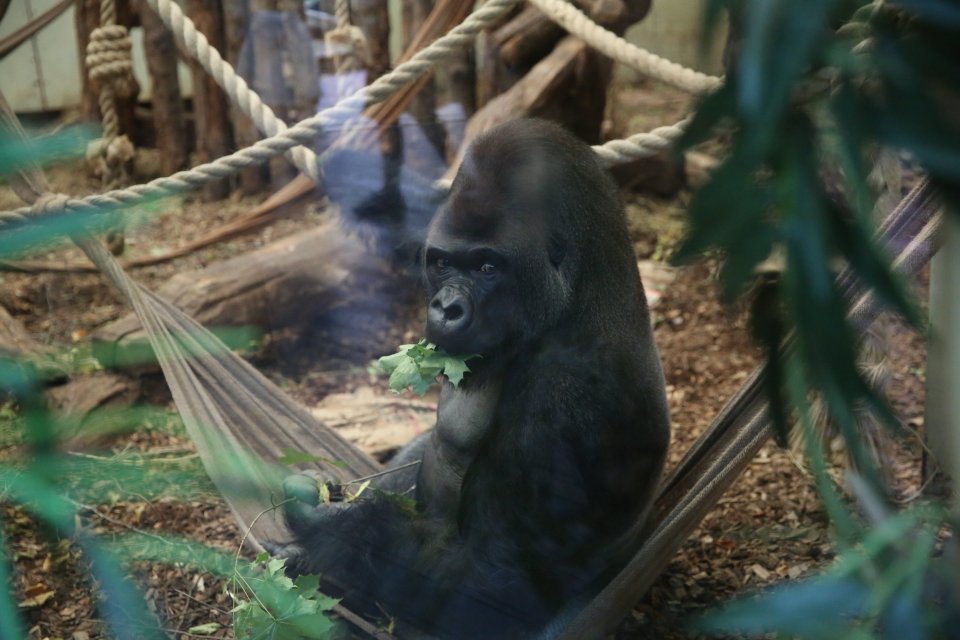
492,264
472,291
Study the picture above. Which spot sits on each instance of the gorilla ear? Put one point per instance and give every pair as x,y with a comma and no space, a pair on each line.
556,249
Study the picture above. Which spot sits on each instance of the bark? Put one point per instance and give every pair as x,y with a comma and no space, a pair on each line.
210,107
168,113
285,283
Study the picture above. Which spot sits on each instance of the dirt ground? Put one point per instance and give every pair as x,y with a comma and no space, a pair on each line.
769,526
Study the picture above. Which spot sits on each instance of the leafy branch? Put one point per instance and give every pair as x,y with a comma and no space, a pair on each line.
815,92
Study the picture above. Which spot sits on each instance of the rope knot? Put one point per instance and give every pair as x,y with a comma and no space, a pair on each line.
109,59
50,204
348,39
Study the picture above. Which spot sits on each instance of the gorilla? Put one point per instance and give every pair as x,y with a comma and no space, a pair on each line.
535,486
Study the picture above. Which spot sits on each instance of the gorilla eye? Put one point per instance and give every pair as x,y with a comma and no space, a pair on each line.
488,268
442,263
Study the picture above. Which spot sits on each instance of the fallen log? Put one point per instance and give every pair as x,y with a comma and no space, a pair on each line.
16,342
283,284
88,406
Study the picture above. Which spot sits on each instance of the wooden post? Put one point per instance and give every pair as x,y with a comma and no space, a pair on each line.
372,18
943,367
424,105
210,108
168,113
236,22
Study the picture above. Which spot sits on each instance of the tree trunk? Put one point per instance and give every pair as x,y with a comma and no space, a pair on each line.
168,114
210,108
236,22
424,105
86,19
372,18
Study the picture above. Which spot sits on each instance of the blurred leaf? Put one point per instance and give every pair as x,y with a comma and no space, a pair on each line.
846,528
11,626
711,111
850,138
819,608
742,256
37,496
122,605
767,70
872,266
732,204
713,11
16,152
20,238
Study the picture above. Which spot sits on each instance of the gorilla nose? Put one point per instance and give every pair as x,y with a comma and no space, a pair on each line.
449,311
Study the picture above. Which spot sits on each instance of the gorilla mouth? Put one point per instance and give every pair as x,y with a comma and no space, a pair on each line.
453,344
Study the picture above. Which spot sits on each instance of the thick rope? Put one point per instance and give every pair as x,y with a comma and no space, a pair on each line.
607,42
109,62
640,145
284,139
356,54
301,133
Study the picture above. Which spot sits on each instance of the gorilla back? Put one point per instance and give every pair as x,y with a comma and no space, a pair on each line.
536,484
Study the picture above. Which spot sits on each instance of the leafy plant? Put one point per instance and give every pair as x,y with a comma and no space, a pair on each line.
275,607
807,106
417,366
815,90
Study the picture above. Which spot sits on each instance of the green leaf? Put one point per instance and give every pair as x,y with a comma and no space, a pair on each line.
454,370
417,366
821,608
728,208
711,111
307,582
391,362
122,606
16,152
11,625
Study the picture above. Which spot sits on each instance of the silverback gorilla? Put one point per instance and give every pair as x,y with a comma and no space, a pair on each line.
535,485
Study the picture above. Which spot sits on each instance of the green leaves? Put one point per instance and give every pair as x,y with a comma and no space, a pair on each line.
807,107
15,152
417,366
277,608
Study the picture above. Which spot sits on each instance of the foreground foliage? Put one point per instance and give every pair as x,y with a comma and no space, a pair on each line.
815,94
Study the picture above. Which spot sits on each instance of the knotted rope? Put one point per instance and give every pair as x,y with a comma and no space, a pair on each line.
109,64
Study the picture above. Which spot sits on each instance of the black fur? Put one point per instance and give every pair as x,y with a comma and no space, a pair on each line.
536,483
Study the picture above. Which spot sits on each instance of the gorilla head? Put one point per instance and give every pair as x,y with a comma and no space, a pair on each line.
523,232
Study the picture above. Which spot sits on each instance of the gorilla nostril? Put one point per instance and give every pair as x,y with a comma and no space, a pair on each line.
453,312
